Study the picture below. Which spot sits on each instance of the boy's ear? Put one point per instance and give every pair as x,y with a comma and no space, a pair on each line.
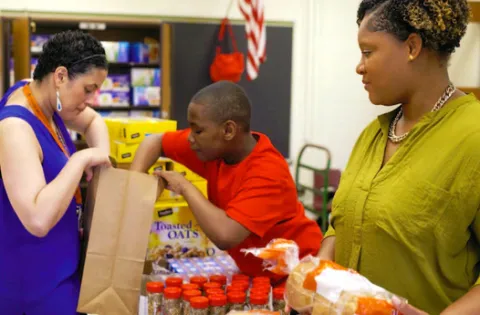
229,130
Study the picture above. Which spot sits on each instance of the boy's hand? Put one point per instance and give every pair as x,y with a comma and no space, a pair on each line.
175,181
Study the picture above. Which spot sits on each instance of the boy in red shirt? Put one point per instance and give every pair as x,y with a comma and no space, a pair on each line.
252,198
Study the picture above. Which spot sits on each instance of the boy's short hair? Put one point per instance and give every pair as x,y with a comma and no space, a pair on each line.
225,100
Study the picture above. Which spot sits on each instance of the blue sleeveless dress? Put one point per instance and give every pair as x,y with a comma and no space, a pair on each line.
38,276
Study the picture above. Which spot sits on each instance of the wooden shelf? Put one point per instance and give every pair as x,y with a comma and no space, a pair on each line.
117,64
125,108
133,65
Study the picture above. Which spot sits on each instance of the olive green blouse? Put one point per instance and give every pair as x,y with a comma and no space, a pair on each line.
413,226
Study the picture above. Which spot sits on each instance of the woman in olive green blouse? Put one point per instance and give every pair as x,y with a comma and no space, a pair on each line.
406,214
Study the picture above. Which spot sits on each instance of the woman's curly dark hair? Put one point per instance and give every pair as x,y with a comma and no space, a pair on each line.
440,23
77,51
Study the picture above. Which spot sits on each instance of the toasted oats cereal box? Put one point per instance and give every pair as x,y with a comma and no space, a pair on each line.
175,233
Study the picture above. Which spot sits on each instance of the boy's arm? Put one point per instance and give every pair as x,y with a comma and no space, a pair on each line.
147,153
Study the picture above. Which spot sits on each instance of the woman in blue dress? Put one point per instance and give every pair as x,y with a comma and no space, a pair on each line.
41,172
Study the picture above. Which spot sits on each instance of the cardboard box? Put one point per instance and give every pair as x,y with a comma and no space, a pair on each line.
146,96
189,174
124,162
139,53
117,221
117,51
122,152
116,82
175,233
145,77
135,129
37,41
113,98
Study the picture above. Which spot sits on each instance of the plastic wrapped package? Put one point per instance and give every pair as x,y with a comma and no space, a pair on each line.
339,290
296,296
350,303
280,256
322,286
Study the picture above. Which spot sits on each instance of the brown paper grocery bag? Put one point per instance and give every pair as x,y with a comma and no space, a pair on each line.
118,217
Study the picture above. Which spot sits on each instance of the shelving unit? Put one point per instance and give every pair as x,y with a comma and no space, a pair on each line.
114,29
106,29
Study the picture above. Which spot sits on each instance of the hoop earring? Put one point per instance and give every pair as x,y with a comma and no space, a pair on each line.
59,103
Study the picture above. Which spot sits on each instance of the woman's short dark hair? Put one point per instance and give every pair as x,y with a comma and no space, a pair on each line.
79,52
440,23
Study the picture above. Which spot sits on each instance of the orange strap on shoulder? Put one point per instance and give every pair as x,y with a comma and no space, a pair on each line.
38,112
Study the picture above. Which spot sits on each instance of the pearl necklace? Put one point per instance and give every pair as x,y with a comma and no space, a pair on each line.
441,101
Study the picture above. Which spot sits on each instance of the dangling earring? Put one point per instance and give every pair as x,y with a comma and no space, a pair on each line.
59,103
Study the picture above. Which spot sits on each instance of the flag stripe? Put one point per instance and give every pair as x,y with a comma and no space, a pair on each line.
255,29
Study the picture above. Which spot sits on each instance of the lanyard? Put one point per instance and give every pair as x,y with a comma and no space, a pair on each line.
38,112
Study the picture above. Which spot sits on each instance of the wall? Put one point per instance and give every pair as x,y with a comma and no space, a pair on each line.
329,105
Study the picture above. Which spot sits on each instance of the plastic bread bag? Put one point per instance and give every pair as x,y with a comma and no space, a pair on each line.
343,291
350,303
323,286
280,256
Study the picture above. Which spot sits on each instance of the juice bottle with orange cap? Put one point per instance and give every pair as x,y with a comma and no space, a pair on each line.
278,302
218,304
214,291
261,280
260,290
176,282
245,286
211,285
240,277
199,305
236,301
242,284
190,286
187,295
261,285
172,303
222,279
155,297
258,301
232,288
198,280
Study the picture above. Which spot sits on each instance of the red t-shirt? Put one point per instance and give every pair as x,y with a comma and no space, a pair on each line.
258,192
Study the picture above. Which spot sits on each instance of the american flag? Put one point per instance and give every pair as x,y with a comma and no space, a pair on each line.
253,11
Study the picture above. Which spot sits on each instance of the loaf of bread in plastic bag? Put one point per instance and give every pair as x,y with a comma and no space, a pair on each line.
353,304
296,296
323,286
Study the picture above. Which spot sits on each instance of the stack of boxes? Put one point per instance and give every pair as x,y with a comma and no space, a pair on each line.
115,91
122,52
140,87
175,232
127,133
146,86
135,86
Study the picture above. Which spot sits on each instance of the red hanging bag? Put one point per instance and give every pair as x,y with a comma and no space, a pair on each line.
227,66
